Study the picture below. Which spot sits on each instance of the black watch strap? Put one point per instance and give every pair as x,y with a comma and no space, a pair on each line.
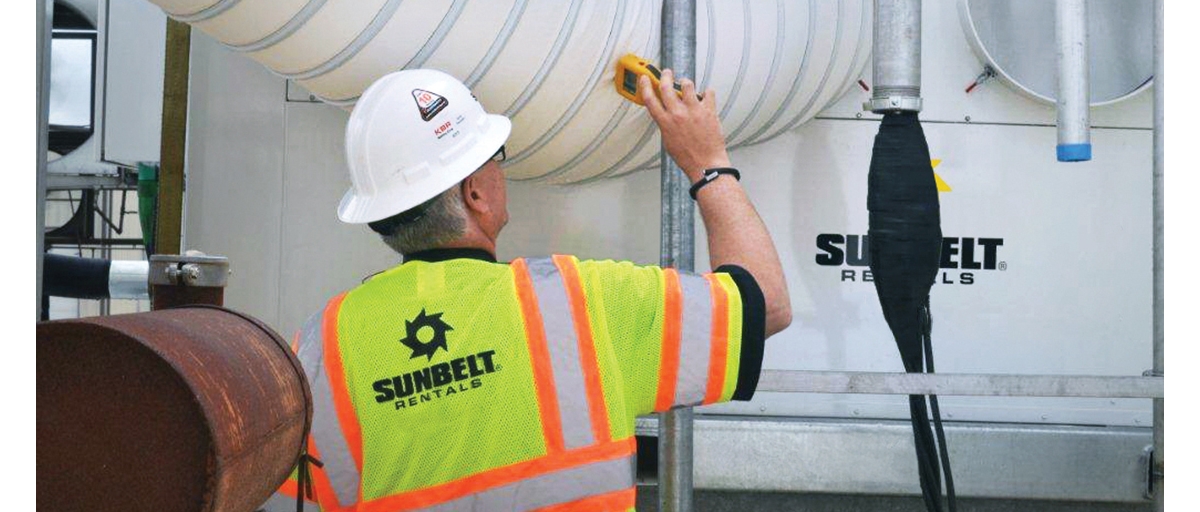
710,175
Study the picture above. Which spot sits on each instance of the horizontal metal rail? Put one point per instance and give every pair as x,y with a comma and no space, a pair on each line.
950,384
82,181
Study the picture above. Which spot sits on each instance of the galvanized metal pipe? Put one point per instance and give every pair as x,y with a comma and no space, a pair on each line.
677,249
896,66
886,383
1070,27
45,29
1159,301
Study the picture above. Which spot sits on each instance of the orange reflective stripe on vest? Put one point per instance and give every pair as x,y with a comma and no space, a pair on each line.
668,370
581,465
337,483
545,481
346,416
618,501
720,341
587,346
695,334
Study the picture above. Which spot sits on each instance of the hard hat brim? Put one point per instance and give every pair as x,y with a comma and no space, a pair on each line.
361,209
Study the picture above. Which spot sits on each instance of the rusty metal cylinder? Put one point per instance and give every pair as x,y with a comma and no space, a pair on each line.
190,409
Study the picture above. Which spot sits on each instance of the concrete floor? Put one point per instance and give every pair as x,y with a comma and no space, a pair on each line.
721,501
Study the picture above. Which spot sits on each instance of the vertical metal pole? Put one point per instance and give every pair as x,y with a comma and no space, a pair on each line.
168,223
896,54
1070,27
677,249
1159,302
45,29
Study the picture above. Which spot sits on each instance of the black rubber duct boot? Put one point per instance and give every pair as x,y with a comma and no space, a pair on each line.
905,244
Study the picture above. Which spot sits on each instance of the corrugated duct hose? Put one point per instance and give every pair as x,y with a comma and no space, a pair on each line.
549,64
906,239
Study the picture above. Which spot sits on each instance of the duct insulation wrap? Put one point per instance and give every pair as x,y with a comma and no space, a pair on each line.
187,409
549,64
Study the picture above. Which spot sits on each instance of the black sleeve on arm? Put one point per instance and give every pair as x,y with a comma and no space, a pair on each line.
754,325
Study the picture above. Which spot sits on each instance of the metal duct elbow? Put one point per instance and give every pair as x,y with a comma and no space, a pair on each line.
549,64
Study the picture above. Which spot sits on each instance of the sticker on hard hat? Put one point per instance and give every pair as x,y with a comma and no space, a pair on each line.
428,103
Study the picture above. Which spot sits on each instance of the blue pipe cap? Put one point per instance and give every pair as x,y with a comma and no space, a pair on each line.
1074,152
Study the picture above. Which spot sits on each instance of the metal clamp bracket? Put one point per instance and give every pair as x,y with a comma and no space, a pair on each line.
199,271
893,104
1149,473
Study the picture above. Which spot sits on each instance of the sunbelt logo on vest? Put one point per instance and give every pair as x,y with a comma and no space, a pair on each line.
423,335
964,260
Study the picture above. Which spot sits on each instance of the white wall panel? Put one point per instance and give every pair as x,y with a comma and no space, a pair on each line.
320,256
948,66
617,219
1070,293
132,104
265,176
235,173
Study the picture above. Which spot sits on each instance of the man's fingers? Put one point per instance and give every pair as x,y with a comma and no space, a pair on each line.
670,101
646,90
689,92
710,99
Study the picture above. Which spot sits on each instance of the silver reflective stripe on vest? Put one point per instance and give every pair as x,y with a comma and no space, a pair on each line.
280,502
696,343
326,432
562,486
563,345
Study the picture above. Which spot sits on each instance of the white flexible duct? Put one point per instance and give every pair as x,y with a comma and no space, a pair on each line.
549,64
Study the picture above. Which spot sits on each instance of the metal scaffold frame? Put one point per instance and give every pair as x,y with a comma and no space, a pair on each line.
45,23
677,249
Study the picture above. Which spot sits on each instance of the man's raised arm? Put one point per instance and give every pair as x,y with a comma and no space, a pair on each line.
691,134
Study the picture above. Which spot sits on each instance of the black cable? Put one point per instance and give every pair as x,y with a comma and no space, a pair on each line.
944,452
927,466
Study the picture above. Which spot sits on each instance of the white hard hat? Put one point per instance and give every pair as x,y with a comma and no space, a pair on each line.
412,135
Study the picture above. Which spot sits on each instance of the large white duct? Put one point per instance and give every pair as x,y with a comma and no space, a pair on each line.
549,64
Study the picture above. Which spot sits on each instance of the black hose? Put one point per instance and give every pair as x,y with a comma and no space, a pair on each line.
906,240
937,414
74,277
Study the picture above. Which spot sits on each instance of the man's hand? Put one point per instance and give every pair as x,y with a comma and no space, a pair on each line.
691,130
691,133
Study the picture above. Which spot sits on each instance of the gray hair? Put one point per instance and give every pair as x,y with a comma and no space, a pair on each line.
444,220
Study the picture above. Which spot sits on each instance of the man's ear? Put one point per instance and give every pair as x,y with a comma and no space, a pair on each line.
475,194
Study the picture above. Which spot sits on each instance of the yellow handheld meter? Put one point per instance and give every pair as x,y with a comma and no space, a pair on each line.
629,68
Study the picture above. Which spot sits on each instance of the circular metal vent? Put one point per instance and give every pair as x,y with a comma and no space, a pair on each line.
1016,38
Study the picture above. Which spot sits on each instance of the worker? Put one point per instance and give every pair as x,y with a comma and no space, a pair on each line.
456,382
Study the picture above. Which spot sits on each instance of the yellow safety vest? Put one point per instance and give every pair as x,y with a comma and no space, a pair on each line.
472,385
